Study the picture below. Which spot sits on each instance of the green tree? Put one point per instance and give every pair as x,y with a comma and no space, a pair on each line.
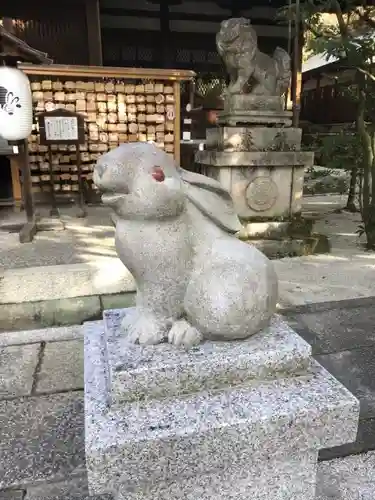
350,36
342,150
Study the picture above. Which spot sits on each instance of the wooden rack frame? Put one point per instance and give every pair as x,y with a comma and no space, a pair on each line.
54,80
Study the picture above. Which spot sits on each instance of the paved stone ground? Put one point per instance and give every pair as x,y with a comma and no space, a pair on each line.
41,377
71,240
342,336
83,272
352,478
41,400
41,416
68,240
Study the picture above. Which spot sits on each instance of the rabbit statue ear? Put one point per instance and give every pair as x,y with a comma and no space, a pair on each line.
211,199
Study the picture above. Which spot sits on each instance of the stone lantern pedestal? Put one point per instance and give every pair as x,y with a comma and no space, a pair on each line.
256,155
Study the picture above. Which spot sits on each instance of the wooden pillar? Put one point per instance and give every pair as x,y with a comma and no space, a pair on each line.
29,229
16,182
297,96
297,66
177,122
313,109
8,24
235,9
94,34
165,34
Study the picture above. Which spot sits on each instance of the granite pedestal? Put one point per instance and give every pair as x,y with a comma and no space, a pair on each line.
254,109
261,167
230,420
256,155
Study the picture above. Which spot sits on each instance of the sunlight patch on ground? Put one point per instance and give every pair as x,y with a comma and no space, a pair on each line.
89,229
328,258
312,202
111,275
315,259
350,235
369,255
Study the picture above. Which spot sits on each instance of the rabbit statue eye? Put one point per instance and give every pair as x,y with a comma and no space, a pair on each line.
158,174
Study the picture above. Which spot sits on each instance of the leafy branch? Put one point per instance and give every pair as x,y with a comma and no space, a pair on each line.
348,34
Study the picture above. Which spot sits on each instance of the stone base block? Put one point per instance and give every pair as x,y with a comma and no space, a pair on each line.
255,158
262,117
253,139
292,238
233,420
292,247
275,480
253,102
257,109
277,230
263,184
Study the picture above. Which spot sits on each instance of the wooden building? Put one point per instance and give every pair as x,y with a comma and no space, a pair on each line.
324,98
65,29
151,35
176,34
13,50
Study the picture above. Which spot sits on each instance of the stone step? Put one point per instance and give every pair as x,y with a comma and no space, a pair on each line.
39,297
53,334
66,281
342,479
20,360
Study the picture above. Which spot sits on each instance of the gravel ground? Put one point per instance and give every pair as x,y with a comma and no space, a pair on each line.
80,241
89,240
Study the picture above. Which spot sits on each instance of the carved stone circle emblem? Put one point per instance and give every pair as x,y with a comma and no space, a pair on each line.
261,193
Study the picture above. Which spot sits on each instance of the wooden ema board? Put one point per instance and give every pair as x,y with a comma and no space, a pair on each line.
113,112
62,127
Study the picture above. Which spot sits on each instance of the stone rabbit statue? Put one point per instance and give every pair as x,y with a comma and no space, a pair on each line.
175,234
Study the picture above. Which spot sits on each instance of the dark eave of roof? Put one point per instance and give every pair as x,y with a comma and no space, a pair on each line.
16,47
332,68
246,4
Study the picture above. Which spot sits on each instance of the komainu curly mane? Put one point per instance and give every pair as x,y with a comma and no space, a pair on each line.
249,69
237,35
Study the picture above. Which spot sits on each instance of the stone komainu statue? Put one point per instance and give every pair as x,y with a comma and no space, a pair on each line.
175,234
250,70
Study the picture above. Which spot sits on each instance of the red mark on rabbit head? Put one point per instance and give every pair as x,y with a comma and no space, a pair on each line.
158,174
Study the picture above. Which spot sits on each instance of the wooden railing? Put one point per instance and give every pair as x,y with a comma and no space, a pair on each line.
328,104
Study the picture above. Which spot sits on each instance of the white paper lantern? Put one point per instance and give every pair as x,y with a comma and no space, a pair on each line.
16,105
